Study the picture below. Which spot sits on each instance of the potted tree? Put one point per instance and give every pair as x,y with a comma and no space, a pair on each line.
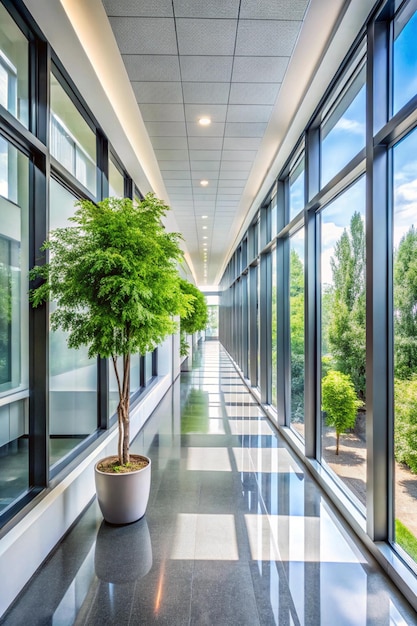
113,275
195,318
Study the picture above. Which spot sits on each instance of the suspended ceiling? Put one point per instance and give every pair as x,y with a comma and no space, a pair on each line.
150,69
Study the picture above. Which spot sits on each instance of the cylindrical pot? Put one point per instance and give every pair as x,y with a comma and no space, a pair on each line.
123,497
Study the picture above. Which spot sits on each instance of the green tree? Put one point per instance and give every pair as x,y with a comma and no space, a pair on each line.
340,402
346,330
297,334
405,431
196,318
114,278
405,305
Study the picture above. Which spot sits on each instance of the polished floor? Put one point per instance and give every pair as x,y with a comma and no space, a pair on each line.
236,533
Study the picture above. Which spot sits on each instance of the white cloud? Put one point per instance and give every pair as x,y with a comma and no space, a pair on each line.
352,126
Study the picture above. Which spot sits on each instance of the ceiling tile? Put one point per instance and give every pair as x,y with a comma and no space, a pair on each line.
171,184
238,129
205,143
261,69
207,36
238,155
212,68
206,93
207,166
232,166
248,113
253,93
144,8
273,9
216,112
166,129
215,129
205,155
142,67
174,155
202,8
175,175
174,165
145,35
233,175
162,112
267,38
242,143
230,184
153,92
169,143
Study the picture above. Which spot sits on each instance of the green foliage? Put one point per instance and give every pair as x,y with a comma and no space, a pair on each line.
297,335
405,305
405,431
113,276
340,402
346,311
405,538
196,318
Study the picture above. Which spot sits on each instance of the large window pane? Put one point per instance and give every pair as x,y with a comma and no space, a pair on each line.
274,346
116,181
14,68
73,143
296,184
405,56
405,342
297,331
343,346
14,358
72,375
343,130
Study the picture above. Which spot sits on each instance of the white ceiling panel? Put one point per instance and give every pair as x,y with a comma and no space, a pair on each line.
158,92
206,93
170,143
253,113
211,68
214,130
205,143
203,9
206,36
205,155
241,143
273,9
166,129
248,129
177,175
262,69
162,112
144,8
207,166
238,155
142,67
266,38
168,155
253,93
173,165
145,35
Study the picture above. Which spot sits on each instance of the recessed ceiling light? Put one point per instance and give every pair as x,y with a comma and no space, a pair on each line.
204,237
204,217
204,121
204,183
204,227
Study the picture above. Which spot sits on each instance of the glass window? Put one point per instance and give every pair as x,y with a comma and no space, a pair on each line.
343,347
296,300
405,342
73,143
116,181
14,68
296,185
72,375
14,357
274,347
405,56
343,130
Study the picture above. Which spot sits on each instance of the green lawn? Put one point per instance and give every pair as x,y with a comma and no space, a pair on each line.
406,539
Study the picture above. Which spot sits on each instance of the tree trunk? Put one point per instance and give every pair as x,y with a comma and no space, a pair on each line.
337,442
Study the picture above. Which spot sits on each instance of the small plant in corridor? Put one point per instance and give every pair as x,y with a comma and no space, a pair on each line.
340,402
196,318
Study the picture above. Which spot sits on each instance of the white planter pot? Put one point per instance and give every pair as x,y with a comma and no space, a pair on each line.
123,498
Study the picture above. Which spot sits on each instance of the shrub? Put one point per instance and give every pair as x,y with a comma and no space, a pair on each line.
405,431
340,402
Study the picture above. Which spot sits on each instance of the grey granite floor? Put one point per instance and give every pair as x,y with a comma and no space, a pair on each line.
235,533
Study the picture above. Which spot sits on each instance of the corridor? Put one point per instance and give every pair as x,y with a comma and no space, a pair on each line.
236,533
